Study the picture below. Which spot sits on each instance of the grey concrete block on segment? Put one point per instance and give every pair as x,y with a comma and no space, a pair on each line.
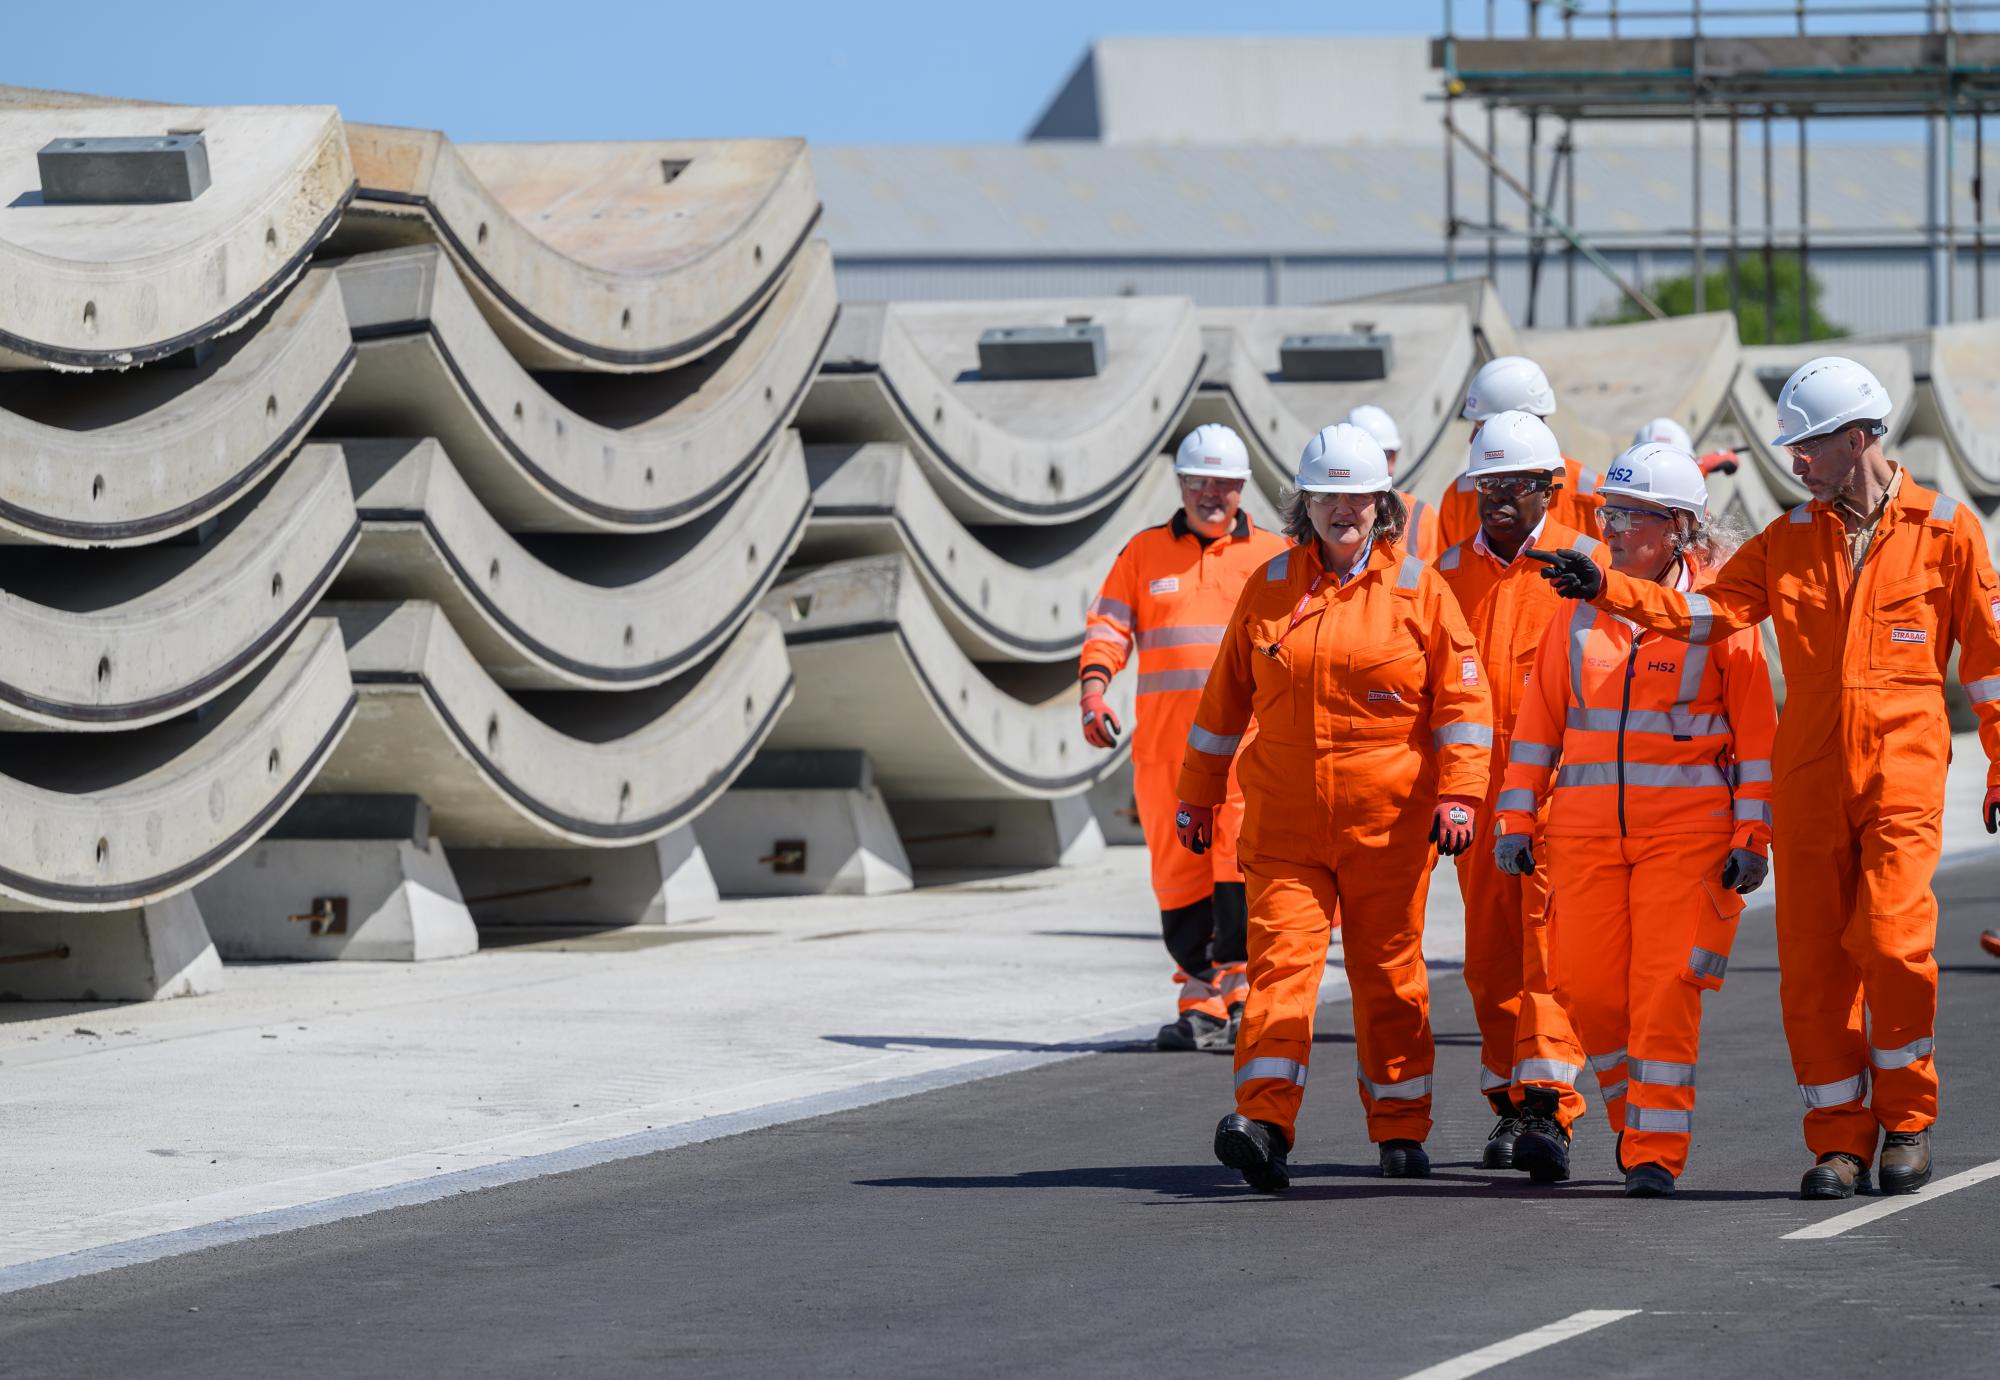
570,612
551,768
1011,834
110,286
564,453
114,640
122,458
1350,357
392,818
1029,452
616,257
803,841
113,171
665,881
382,899
150,953
1073,350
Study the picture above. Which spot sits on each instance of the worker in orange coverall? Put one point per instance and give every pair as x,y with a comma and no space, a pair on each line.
1529,1056
1513,384
1168,595
1420,527
1373,732
1868,587
1659,815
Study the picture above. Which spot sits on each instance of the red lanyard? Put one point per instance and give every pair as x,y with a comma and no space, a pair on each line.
1299,613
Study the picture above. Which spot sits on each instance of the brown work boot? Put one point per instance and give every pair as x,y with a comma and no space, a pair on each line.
1837,1175
1906,1161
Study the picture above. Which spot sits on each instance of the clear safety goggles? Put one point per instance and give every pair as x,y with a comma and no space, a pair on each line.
1198,483
1612,518
1512,485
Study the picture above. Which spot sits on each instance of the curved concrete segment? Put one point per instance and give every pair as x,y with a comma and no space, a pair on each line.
1009,451
96,287
119,640
625,257
569,453
1492,329
118,458
878,670
1961,400
150,813
1611,380
501,772
569,613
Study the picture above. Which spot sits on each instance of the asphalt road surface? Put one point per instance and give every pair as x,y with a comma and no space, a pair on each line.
1070,1221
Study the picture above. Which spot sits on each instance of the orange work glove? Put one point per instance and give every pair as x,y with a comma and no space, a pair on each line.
1195,826
1100,726
1451,824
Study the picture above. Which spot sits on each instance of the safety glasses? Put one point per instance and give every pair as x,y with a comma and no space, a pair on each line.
1353,503
1611,518
1197,483
1511,486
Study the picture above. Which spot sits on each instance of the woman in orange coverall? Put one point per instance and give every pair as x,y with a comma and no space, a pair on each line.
1373,731
1659,812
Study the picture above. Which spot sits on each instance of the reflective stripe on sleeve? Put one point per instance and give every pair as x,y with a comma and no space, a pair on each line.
1101,607
1584,544
1944,509
1187,635
1201,740
1101,633
1755,769
1158,682
1611,1092
1275,568
1533,754
1449,560
1708,962
1753,811
1701,615
1546,1071
1405,1091
1689,777
1580,624
1983,691
1516,799
1901,1058
1287,1070
1451,735
1833,1094
1672,1123
1661,1073
1411,573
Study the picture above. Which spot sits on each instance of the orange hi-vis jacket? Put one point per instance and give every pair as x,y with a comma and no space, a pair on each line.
1368,700
1574,506
1651,736
1508,607
1421,537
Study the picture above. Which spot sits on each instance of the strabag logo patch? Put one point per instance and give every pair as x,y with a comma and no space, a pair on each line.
1918,635
1468,670
1389,696
1166,584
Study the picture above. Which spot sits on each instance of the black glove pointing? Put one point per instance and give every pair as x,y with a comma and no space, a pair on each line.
1574,574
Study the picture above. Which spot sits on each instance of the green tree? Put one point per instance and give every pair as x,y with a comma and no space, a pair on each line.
1675,296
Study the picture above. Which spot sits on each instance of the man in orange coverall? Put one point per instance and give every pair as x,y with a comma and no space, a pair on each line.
1420,522
1868,587
1373,734
1513,384
1168,594
1529,1057
1659,816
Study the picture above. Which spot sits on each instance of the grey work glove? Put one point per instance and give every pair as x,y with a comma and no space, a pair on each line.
1745,871
1512,855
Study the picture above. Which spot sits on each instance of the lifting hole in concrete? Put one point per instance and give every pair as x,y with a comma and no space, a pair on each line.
1271,425
90,316
103,852
1156,405
951,555
273,762
802,607
985,593
625,319
482,232
1055,479
520,413
103,669
672,168
492,732
96,487
749,710
630,637
493,570
271,407
278,585
649,474
753,555
270,238
757,254
624,796
937,415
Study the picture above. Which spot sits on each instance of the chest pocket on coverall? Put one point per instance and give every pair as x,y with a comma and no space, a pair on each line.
1385,686
1908,614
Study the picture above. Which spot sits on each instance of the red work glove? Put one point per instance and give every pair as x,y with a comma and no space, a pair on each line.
1195,826
1100,726
1718,462
1990,810
1452,823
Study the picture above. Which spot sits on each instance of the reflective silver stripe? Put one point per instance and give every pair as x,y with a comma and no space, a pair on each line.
1517,799
1671,1123
1580,624
1111,635
1411,574
1708,962
1274,569
1604,1063
1288,1070
1111,608
1586,483
1613,1091
1755,769
1701,616
1901,1058
1584,544
1198,989
1201,740
1533,754
1156,682
1449,560
1662,1073
1690,777
1664,723
1235,980
1802,514
1187,635
1417,506
1692,668
1833,1094
1944,509
1466,484
1546,1071
1405,1091
1753,811
1478,735
1983,691
1489,1081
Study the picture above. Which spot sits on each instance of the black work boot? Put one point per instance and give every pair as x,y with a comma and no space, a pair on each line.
1235,1022
1256,1149
1404,1159
1905,1163
1195,1030
1542,1147
1500,1140
1837,1175
1648,1181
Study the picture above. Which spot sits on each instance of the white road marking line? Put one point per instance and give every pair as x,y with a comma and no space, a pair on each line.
1883,1207
1487,1357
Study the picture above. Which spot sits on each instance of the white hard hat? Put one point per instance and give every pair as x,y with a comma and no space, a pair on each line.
1511,442
1825,395
1378,424
1215,451
1658,473
1509,384
1343,459
1667,432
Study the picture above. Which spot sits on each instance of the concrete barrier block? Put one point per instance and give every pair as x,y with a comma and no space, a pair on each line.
149,954
1002,834
339,898
803,842
664,882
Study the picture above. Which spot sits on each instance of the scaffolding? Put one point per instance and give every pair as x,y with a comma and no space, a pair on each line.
1608,63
